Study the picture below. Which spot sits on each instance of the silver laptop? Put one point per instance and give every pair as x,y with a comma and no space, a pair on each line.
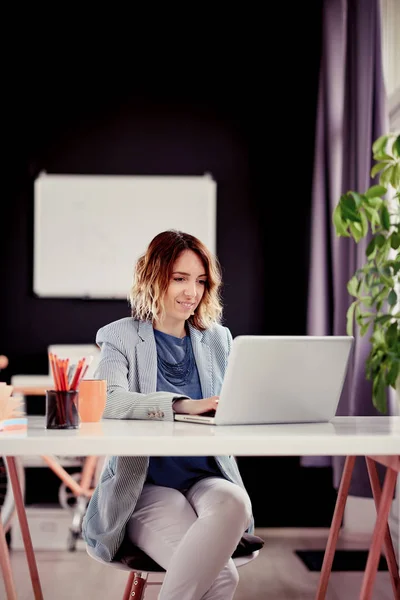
275,379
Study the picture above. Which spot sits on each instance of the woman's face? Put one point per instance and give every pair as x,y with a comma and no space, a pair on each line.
186,287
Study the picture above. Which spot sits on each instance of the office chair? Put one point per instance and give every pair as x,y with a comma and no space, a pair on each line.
138,582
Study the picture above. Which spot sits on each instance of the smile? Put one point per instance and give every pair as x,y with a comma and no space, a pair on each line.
187,305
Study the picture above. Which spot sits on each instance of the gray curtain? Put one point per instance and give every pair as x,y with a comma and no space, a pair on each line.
352,113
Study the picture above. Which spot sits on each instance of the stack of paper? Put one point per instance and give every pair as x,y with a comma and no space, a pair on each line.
11,413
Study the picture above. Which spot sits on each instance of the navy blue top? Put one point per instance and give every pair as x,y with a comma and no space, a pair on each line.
177,372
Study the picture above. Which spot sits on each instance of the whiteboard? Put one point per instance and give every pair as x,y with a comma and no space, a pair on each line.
90,230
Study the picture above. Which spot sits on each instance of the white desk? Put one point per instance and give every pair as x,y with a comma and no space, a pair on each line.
376,437
342,437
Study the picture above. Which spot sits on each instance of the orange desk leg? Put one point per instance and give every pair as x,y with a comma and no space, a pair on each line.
23,523
128,587
6,566
335,527
88,471
379,534
389,550
63,475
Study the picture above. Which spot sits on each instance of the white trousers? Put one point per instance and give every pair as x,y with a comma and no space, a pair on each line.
193,537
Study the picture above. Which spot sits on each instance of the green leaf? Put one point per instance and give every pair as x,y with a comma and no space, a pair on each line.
386,176
393,373
348,201
396,147
381,258
384,156
366,300
395,179
375,297
385,218
378,336
358,311
379,393
375,190
380,240
350,318
391,335
358,315
375,202
356,231
383,319
377,168
339,224
348,208
380,144
387,282
357,198
392,298
395,241
364,328
375,358
371,247
352,286
373,216
364,223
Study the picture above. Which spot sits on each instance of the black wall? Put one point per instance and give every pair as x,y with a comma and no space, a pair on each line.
240,108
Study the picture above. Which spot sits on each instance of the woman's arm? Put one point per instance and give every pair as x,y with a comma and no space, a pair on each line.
124,404
121,402
195,407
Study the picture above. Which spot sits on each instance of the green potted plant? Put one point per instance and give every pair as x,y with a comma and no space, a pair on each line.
375,286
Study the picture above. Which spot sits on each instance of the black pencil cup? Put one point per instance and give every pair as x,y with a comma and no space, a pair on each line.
62,409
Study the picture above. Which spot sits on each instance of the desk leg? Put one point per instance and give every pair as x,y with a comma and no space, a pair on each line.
23,522
389,550
88,471
335,527
379,534
6,566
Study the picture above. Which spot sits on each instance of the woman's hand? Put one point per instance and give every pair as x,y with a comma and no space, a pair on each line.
195,407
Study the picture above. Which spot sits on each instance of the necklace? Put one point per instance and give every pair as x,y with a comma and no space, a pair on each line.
179,373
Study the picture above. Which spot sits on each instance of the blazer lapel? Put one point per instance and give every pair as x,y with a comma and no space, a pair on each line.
147,359
202,355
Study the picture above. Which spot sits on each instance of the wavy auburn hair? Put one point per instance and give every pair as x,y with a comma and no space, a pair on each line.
153,273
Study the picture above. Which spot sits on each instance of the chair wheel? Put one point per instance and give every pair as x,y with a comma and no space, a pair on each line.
71,543
66,496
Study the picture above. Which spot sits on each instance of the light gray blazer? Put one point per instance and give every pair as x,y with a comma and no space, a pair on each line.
129,363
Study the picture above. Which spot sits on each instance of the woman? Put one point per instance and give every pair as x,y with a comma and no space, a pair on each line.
187,513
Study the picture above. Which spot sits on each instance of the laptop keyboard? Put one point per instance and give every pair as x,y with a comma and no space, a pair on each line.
209,413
